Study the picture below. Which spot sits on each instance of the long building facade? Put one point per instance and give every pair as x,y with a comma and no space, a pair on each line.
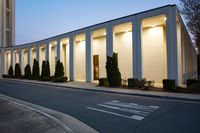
154,44
7,23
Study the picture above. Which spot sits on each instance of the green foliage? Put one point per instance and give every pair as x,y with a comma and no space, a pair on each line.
27,72
113,73
44,69
103,82
132,83
59,72
194,88
36,70
60,79
48,69
169,85
17,71
192,81
10,71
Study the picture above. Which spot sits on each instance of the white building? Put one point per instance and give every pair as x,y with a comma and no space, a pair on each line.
7,23
154,44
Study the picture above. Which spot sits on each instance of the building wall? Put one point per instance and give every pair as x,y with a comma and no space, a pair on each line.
123,47
153,54
99,48
80,61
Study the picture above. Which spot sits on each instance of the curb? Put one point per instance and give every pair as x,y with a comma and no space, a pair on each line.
115,92
75,126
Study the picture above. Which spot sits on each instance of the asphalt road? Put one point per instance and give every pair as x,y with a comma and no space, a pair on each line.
112,113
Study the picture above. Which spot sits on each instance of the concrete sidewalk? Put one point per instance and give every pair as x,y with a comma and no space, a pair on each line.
18,116
94,87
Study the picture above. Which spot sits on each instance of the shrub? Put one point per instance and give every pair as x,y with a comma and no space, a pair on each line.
59,72
45,79
132,83
194,88
60,79
36,70
103,82
17,71
112,70
7,76
44,69
10,71
192,81
141,83
48,69
27,72
169,85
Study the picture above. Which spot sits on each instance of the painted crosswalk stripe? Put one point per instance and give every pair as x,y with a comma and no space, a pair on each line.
135,117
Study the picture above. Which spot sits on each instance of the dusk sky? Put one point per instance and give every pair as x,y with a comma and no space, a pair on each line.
40,19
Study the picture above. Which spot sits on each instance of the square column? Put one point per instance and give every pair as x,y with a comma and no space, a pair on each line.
11,58
137,51
172,48
3,61
71,58
38,54
29,55
109,40
47,52
59,50
88,57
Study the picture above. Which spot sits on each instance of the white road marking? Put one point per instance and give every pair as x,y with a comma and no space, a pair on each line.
126,110
139,112
108,112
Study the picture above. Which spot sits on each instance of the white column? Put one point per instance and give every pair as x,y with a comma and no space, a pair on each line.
71,58
21,59
172,51
12,58
29,55
137,51
3,61
59,50
109,40
47,52
88,57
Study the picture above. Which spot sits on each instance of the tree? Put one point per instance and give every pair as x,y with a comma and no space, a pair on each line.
44,69
59,72
27,72
17,71
36,70
191,11
48,69
113,73
10,71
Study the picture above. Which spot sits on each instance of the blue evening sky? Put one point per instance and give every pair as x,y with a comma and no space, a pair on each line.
40,19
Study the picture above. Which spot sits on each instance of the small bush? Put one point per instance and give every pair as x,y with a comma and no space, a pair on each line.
103,82
47,69
10,71
7,76
192,81
27,72
112,70
45,78
132,83
17,71
44,69
36,70
194,88
59,72
141,83
169,85
60,79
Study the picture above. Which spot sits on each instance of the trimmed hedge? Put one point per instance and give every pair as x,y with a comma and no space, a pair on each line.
60,79
10,71
36,70
132,83
169,85
103,82
192,81
112,70
17,71
27,72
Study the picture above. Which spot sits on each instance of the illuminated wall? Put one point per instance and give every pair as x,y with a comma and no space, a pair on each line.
80,61
154,54
123,47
